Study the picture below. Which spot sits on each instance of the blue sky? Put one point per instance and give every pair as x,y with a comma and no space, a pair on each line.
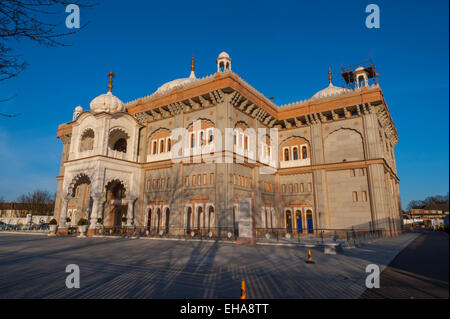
281,48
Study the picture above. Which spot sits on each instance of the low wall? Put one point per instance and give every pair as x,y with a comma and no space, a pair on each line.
36,220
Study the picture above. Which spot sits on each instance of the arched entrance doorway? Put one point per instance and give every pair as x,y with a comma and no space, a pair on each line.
80,201
288,221
309,221
115,195
298,217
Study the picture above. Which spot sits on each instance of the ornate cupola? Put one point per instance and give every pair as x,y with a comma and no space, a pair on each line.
223,62
107,102
361,76
78,110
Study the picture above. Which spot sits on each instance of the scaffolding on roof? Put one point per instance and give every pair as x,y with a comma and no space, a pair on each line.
349,76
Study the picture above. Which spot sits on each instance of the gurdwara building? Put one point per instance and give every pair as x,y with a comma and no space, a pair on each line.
181,159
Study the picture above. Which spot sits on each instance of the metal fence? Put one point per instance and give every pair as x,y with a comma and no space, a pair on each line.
346,237
211,233
25,228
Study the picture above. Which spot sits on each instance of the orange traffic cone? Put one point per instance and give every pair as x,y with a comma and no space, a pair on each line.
243,291
309,261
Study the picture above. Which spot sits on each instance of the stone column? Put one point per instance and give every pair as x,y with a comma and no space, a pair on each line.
62,229
95,210
130,215
94,214
63,215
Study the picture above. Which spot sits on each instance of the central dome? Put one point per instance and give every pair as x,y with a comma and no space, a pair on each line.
331,90
183,81
108,103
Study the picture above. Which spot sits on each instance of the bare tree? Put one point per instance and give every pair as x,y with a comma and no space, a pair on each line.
30,20
38,202
437,199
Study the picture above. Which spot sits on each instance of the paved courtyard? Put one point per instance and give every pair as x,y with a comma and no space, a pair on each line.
33,266
419,271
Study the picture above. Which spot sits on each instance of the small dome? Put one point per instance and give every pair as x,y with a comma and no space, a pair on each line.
78,109
224,55
170,85
331,90
107,103
360,68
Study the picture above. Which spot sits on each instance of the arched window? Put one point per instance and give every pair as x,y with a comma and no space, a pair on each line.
192,140
309,221
169,144
161,146
155,148
286,154
118,140
298,218
189,219
295,153
120,145
304,152
210,136
167,220
201,138
361,80
87,141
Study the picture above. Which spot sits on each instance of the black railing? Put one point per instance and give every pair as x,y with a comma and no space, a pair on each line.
346,237
24,228
211,233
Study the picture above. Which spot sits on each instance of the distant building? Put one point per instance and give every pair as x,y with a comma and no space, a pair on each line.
431,214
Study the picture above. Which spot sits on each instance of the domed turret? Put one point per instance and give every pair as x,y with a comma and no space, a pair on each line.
223,62
78,110
108,102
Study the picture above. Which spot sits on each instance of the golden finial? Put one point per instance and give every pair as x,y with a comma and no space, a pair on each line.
329,75
192,65
110,75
